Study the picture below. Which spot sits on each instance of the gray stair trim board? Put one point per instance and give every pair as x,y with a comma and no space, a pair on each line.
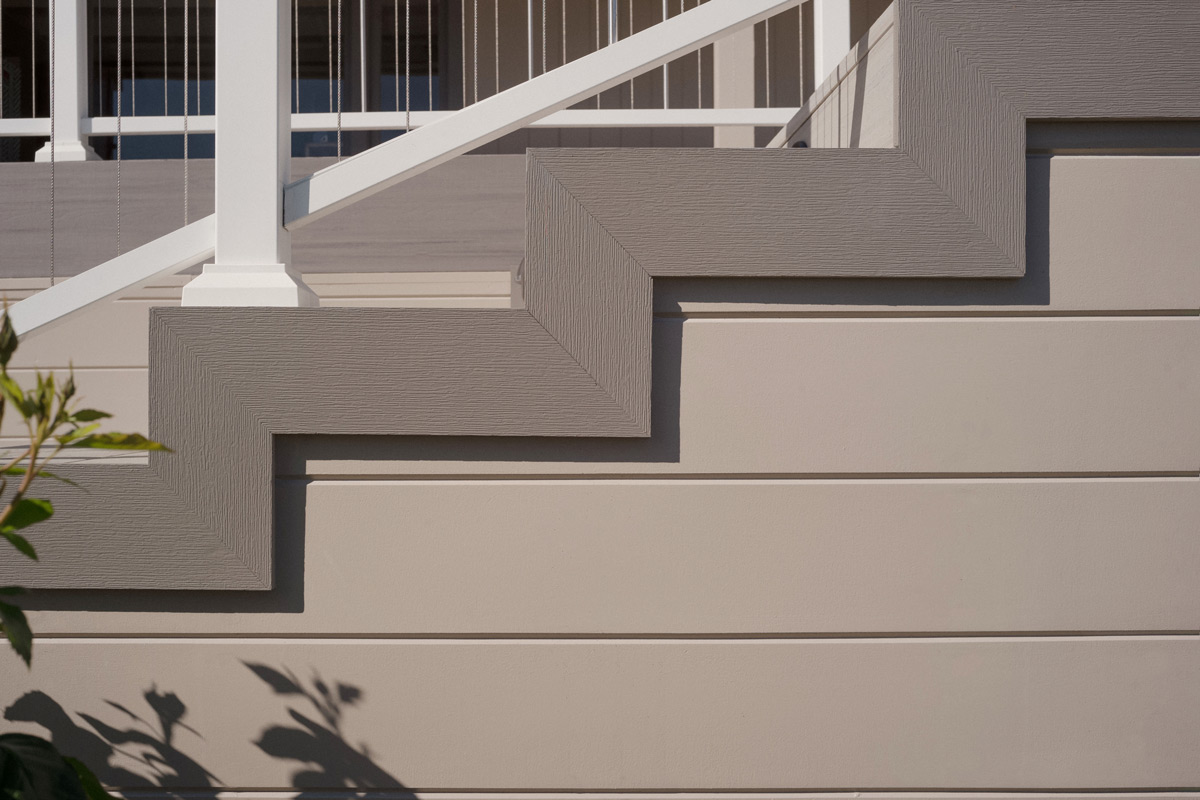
948,202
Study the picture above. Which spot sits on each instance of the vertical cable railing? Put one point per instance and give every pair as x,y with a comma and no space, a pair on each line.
459,51
1,59
33,56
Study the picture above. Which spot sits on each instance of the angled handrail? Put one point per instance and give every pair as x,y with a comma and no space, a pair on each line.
419,150
179,249
423,149
771,117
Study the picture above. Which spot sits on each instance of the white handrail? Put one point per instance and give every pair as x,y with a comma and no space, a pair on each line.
423,149
166,255
395,120
25,126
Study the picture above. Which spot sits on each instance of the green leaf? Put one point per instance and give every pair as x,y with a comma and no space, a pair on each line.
46,393
91,784
77,433
16,628
89,415
117,441
29,511
45,473
28,765
10,591
12,391
32,769
68,389
18,541
8,340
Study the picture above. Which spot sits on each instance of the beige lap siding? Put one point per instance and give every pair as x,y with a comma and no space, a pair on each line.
730,557
654,715
905,535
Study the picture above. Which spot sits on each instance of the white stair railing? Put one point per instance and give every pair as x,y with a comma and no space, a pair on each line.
392,162
166,255
398,120
423,149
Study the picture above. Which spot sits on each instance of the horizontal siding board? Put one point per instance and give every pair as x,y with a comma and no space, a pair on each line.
917,396
720,557
125,343
843,397
464,215
85,211
467,214
121,392
1105,234
646,715
1124,240
846,397
125,322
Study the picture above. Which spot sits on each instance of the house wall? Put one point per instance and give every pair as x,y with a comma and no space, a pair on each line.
927,535
464,216
856,105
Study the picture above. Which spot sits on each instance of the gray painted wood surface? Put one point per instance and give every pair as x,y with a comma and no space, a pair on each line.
950,202
466,215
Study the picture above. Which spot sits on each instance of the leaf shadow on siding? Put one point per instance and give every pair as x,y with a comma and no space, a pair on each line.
315,739
139,751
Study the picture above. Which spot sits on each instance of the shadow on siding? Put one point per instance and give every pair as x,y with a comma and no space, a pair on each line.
315,740
147,741
145,751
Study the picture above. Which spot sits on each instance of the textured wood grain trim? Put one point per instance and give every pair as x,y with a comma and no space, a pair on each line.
587,290
779,213
225,381
949,201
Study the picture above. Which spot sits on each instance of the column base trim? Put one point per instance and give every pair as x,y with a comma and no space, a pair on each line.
66,151
259,285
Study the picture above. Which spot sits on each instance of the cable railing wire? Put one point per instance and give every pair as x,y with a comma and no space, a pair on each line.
624,21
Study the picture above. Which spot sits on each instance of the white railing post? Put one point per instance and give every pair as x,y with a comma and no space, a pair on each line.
528,38
70,91
733,84
253,155
831,36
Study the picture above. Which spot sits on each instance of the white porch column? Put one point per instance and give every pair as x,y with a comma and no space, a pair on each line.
70,91
831,36
733,84
253,157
